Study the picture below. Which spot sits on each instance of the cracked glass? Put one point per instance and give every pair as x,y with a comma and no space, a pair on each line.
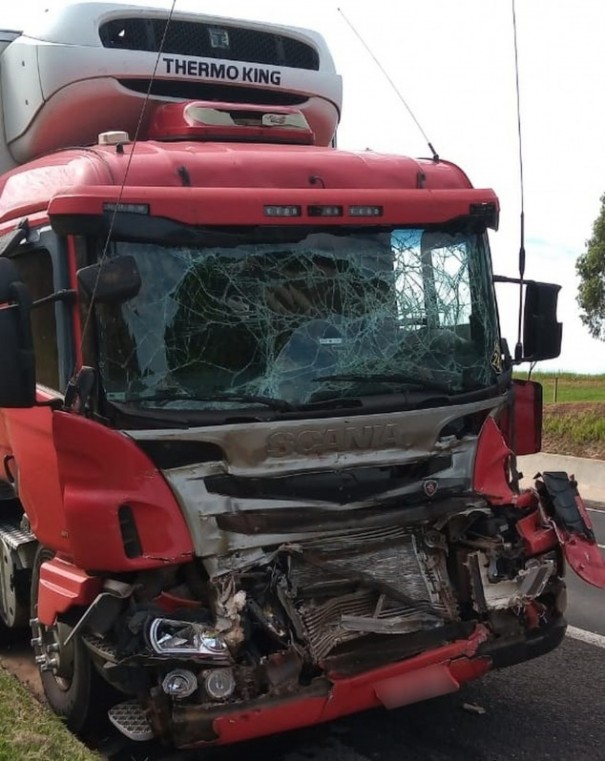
300,316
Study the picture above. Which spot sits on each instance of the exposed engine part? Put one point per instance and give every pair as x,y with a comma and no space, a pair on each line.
230,602
379,581
390,620
490,593
187,639
535,577
179,684
392,560
282,671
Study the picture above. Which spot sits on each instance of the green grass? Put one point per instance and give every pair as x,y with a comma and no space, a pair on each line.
567,387
28,732
574,413
583,428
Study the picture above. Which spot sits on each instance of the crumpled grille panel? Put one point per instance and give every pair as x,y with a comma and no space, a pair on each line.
398,586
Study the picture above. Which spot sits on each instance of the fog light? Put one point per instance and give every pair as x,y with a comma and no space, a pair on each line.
179,684
219,683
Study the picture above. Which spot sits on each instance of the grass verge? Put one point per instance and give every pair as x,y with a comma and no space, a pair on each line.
575,428
29,732
574,413
567,387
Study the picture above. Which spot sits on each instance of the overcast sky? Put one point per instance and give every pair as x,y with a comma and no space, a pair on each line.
453,62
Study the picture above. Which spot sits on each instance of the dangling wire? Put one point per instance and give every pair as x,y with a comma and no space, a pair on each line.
434,153
127,170
519,346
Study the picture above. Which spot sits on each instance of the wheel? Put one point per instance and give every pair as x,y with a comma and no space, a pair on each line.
73,688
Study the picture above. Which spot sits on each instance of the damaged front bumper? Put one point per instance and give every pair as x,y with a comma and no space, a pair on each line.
436,672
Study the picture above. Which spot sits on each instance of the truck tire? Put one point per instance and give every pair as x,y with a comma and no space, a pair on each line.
75,692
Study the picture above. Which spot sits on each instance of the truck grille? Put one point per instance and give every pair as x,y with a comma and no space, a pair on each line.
208,41
388,584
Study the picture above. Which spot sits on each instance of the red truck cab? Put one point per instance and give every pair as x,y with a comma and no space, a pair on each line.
257,422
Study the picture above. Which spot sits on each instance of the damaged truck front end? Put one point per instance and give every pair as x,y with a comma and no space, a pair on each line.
325,583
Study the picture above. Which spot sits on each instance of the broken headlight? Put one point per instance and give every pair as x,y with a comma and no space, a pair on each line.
187,639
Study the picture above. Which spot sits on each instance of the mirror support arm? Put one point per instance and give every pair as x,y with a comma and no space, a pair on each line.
69,295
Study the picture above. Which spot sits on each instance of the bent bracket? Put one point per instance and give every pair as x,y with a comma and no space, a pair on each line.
564,506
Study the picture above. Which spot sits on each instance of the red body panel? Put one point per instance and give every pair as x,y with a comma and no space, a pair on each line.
63,585
537,537
156,170
490,475
226,165
100,470
28,436
528,417
583,554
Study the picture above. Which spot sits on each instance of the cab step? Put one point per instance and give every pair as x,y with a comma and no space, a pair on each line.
14,536
129,718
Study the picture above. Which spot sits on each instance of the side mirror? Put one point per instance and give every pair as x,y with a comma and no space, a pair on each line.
542,334
112,281
17,361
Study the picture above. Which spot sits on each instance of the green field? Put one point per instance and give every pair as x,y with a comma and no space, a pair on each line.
567,387
574,413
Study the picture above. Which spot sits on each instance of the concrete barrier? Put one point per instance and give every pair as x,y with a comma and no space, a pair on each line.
590,474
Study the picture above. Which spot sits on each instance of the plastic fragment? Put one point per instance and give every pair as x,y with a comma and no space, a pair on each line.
473,708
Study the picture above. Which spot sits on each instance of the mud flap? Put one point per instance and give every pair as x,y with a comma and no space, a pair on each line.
564,507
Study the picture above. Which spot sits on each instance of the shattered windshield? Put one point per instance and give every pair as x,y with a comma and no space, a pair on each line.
295,317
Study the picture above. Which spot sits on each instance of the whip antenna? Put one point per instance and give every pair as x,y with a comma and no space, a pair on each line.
435,155
519,346
136,136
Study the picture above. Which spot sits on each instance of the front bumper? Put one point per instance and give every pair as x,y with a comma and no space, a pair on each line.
436,672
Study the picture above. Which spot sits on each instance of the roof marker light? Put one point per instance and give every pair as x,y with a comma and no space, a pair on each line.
282,211
324,211
365,211
127,208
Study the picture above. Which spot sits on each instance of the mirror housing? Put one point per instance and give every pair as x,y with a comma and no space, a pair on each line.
112,281
542,334
17,360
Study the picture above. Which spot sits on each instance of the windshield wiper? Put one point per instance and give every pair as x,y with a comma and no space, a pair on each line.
167,396
409,380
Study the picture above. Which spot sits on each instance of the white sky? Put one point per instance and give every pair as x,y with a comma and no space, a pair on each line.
453,63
